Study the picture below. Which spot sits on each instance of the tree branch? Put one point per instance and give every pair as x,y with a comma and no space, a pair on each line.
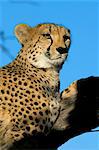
79,114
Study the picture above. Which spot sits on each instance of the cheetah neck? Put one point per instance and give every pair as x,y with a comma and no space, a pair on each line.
51,71
51,74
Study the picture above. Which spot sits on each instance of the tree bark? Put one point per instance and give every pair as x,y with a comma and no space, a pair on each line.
79,114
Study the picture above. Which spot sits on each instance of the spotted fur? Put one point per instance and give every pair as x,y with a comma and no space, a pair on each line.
29,86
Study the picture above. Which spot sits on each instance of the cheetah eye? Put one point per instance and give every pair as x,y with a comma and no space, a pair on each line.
65,37
46,35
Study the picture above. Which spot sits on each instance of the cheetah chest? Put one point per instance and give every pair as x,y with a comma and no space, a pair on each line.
32,101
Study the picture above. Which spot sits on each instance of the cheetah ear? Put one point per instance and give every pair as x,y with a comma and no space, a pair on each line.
22,33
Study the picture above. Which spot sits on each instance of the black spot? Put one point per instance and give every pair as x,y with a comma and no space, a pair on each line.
25,116
8,87
41,79
17,135
24,121
52,123
31,87
21,103
37,120
33,96
0,99
29,108
40,88
67,90
39,97
15,79
32,123
31,104
16,94
25,83
13,89
29,57
24,134
49,119
28,92
35,103
20,113
34,113
28,128
26,100
16,100
33,58
55,114
4,84
20,97
10,81
13,120
44,121
40,108
41,127
34,131
21,93
35,70
43,104
22,109
27,111
5,77
47,112
6,98
2,91
20,83
11,100
7,92
41,113
43,87
38,81
35,81
30,117
9,104
36,89
44,95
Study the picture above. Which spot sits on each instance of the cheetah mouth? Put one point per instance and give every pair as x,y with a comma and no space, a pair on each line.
59,57
56,58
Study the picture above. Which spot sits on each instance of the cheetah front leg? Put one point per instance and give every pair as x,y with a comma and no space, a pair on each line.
7,134
5,130
68,96
80,105
67,103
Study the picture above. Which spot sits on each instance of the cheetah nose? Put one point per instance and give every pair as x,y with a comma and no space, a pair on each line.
62,50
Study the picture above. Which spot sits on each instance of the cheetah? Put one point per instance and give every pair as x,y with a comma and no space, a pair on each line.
29,85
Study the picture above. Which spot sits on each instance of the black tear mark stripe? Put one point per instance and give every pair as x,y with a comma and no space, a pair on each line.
48,49
50,29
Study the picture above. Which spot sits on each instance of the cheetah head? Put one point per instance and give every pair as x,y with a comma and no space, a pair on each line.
44,46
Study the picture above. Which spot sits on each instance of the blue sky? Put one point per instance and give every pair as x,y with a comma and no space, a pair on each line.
81,17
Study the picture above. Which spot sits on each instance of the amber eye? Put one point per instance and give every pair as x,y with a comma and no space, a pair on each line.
46,35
